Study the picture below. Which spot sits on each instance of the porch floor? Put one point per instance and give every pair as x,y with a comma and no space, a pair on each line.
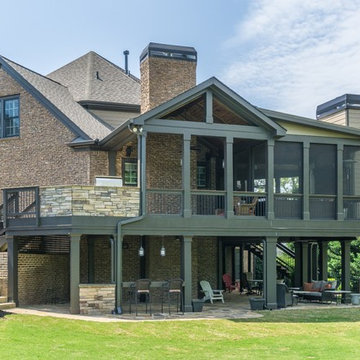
235,307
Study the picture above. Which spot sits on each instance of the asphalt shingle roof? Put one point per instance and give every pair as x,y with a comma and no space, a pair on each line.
63,100
93,78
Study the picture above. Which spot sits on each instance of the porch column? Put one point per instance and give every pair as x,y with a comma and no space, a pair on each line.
306,180
74,273
304,262
220,263
187,272
229,187
345,265
91,268
340,191
142,170
298,264
186,171
270,272
118,269
323,259
12,269
270,179
314,261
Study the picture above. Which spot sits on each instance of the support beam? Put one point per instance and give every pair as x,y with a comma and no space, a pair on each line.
187,272
91,259
314,261
209,107
306,181
270,179
323,259
220,263
229,178
186,172
270,272
142,173
305,262
74,273
12,269
119,270
298,264
345,264
340,191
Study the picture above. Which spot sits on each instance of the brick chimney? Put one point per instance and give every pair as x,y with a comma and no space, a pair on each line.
166,71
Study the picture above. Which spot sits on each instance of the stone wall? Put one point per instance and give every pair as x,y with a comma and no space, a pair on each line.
40,155
89,201
97,299
43,278
3,273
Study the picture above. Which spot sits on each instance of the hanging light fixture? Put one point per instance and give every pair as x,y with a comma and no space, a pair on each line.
162,250
141,250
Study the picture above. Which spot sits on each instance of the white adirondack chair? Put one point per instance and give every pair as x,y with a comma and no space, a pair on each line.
211,294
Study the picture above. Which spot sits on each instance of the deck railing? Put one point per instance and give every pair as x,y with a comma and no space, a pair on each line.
249,203
351,208
288,206
322,207
208,202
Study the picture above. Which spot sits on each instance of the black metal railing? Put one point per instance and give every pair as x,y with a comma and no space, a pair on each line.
164,202
249,204
322,207
351,208
21,203
288,206
208,202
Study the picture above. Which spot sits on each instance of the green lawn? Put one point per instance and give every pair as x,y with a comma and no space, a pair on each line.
301,334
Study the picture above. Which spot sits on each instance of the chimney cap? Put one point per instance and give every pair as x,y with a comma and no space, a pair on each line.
187,53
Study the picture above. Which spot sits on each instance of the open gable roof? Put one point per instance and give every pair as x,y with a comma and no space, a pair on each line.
58,100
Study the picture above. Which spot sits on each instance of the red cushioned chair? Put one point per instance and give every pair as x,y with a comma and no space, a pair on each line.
228,283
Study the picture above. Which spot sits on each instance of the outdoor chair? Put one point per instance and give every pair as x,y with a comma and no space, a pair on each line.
211,294
173,288
229,285
246,209
139,291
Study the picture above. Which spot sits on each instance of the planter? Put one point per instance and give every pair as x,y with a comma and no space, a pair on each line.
355,299
197,305
257,303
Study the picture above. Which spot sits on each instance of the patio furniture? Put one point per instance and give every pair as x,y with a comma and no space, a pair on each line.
337,295
173,288
246,209
321,291
355,299
284,296
140,290
228,283
257,303
211,294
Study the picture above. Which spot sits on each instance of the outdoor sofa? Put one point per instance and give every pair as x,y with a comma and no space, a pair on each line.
319,290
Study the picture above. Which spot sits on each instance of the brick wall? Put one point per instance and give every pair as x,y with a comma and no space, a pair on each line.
99,164
43,278
96,299
3,273
39,156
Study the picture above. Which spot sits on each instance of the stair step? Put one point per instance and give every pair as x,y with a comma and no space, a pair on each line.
3,299
7,305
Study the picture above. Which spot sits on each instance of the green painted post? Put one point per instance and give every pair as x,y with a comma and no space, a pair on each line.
119,269
74,273
304,262
298,264
306,180
270,179
340,185
91,267
229,178
12,269
270,273
345,264
323,259
220,263
142,160
187,272
186,171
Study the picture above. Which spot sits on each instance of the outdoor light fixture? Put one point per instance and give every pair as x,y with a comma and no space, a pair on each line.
162,250
135,129
141,250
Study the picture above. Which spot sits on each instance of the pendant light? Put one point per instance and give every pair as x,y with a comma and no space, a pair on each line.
141,250
162,250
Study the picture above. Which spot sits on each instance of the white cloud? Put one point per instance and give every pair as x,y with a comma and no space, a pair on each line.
291,55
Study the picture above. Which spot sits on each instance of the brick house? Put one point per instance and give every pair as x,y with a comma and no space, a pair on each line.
200,173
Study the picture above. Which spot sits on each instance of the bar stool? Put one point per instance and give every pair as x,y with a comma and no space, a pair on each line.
173,288
139,289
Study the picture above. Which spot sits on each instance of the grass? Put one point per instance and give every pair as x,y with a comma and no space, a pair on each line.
298,334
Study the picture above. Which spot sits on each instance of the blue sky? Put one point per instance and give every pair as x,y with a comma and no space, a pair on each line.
285,55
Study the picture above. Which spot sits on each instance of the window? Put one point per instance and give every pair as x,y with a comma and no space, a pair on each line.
9,117
129,172
201,175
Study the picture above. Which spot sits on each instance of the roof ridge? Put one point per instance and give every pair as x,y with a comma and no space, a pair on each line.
32,71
